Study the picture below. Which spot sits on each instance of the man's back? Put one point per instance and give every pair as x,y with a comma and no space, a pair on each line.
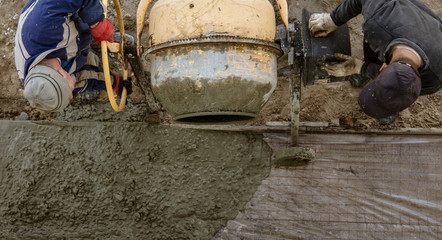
391,22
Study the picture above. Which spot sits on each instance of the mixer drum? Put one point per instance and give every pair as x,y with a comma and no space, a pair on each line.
213,60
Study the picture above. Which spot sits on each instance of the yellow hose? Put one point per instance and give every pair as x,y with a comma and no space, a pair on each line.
105,59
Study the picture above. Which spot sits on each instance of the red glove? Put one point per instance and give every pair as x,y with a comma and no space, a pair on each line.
104,31
119,84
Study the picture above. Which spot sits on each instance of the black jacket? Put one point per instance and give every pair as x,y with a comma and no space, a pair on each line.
389,22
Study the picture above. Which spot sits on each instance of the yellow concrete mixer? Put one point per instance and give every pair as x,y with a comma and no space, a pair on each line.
211,60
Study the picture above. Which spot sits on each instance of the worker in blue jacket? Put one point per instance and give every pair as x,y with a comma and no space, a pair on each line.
402,53
52,49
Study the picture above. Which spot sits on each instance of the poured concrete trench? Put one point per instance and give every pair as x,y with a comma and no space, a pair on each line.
122,180
96,180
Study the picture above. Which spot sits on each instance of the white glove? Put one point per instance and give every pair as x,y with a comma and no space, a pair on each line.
321,24
347,67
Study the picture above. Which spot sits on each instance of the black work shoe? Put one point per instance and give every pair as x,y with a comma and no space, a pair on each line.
388,120
91,95
357,80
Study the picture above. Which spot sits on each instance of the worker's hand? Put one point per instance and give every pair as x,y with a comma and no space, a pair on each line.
103,31
321,24
120,84
348,66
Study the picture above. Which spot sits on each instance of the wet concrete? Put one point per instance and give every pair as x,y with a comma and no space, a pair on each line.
92,180
233,94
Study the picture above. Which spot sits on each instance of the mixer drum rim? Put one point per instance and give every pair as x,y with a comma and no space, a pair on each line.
274,47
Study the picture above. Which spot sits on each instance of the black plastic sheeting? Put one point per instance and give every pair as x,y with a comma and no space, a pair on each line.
359,187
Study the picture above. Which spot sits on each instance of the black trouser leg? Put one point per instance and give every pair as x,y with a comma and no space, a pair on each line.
369,70
372,64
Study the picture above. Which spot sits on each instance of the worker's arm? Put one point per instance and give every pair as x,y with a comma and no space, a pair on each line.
322,24
103,31
44,31
92,12
48,25
426,9
346,11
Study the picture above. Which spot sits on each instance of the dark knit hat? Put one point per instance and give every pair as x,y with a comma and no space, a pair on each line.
394,89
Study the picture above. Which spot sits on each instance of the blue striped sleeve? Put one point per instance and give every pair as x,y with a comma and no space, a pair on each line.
91,12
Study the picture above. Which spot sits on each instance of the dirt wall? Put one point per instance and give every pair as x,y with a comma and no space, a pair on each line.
335,103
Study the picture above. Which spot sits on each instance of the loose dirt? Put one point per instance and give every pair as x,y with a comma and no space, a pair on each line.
335,103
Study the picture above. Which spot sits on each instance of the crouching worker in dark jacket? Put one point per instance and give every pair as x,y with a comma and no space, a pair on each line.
52,51
402,53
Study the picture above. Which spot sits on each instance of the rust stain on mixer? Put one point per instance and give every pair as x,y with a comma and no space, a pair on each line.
201,79
212,57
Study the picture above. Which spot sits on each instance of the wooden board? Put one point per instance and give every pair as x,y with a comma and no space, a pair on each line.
309,127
